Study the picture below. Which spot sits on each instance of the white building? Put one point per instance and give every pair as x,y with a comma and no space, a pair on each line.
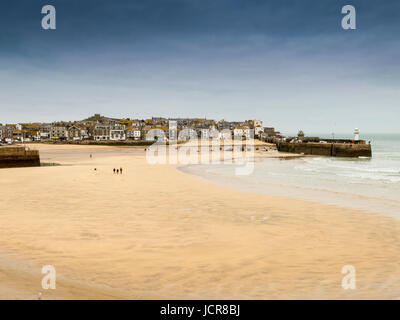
117,133
247,133
84,134
44,135
204,134
356,134
225,134
155,134
137,134
238,132
258,131
133,133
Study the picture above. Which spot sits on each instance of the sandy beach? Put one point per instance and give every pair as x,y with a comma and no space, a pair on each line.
155,232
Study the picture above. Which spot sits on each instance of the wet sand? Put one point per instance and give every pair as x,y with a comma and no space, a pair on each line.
157,233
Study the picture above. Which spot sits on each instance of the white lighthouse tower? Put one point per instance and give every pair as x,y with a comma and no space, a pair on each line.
356,134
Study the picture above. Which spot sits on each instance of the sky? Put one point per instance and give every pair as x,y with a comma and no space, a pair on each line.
286,62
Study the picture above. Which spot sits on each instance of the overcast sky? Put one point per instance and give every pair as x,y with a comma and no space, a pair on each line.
288,63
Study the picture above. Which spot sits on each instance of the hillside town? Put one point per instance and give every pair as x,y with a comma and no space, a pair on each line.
100,128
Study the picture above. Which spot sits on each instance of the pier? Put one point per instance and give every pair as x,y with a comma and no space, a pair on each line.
11,157
349,148
342,148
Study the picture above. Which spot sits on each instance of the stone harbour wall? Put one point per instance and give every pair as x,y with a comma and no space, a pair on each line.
11,157
327,149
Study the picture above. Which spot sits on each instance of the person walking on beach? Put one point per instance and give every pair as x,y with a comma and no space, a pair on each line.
114,170
120,170
117,171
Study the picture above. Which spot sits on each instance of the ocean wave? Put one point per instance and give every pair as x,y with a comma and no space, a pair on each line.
371,177
328,164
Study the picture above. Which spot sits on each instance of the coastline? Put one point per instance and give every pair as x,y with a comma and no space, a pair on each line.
155,232
340,198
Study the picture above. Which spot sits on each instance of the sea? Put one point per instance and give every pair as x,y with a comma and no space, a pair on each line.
371,184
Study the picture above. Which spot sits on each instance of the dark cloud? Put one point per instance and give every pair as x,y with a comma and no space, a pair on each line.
202,53
96,21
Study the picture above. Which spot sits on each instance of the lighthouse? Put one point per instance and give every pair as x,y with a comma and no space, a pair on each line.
356,134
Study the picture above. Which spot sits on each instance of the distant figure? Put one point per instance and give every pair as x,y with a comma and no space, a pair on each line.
120,170
90,156
39,296
95,169
117,171
114,170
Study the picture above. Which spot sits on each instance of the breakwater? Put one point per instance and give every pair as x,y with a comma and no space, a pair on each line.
327,149
11,157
